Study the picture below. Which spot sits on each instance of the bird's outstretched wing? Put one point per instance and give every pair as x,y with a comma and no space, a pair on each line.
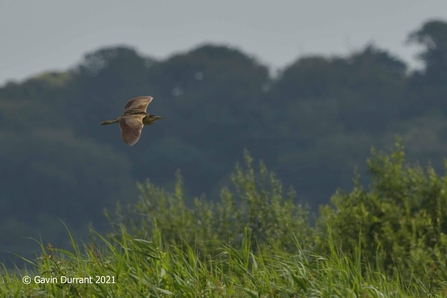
131,127
138,103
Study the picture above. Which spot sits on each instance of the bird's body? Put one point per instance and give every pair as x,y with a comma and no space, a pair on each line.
133,119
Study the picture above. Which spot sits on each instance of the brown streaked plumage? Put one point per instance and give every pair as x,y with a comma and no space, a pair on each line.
133,119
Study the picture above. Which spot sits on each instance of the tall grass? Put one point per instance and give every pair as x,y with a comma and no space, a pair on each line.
143,268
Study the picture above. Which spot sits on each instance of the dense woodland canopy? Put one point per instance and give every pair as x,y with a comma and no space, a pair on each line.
312,125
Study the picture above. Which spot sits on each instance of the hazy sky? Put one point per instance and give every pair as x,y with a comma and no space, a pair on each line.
54,34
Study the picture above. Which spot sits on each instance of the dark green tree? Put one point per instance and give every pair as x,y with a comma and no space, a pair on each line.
427,88
212,98
344,104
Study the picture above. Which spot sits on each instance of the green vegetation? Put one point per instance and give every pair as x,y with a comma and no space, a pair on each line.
387,239
311,124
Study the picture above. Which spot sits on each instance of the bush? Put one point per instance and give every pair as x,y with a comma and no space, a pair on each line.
256,200
399,221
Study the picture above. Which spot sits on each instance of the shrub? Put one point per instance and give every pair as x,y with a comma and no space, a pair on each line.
256,200
399,221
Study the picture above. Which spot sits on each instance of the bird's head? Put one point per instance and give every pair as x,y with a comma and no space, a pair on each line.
149,119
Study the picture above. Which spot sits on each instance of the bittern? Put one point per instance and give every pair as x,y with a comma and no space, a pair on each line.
133,119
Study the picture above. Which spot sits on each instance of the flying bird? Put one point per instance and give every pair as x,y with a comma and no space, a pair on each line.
133,119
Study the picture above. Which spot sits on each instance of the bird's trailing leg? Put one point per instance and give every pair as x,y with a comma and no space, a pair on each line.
110,121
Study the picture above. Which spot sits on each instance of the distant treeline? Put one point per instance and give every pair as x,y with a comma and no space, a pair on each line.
312,125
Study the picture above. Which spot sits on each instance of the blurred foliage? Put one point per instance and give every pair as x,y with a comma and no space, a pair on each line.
312,124
426,90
